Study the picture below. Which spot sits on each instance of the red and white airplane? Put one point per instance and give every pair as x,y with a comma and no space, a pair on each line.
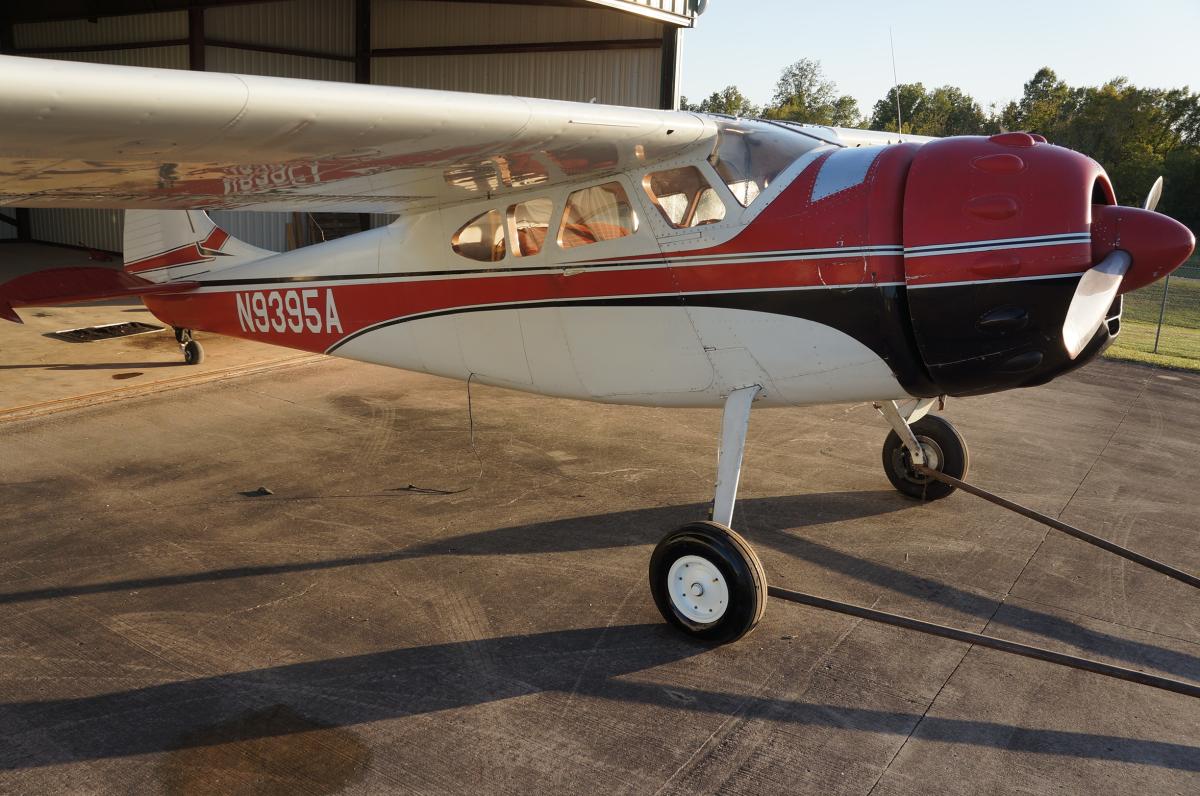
609,254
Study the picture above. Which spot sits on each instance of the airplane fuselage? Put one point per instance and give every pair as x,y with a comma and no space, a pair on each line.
677,283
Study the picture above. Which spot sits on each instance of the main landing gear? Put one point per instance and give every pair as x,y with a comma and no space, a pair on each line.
193,352
706,579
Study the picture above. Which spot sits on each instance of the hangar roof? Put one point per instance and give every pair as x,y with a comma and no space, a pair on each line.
676,11
671,11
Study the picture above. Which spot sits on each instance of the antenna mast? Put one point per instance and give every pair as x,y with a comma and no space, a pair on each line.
896,84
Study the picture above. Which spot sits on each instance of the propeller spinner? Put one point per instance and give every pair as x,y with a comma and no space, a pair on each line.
1133,248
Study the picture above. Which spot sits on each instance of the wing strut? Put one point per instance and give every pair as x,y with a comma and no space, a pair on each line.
1059,525
1004,645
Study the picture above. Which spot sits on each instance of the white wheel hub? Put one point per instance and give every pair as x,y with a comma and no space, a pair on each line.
933,454
698,589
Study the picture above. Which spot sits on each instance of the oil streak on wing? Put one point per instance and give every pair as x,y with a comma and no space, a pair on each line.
89,135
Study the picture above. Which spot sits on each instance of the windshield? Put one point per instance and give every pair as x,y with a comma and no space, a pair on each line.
750,155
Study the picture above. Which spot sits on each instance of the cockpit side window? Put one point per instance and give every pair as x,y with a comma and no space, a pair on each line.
481,238
684,197
529,223
596,214
750,155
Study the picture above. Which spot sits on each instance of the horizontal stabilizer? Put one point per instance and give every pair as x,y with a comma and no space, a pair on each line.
76,285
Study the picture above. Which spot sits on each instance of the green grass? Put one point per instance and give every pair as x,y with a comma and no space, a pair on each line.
1190,269
1179,343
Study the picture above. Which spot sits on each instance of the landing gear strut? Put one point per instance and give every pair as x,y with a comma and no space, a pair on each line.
706,579
193,352
918,438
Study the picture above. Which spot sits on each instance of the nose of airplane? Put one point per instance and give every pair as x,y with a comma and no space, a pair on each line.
1157,244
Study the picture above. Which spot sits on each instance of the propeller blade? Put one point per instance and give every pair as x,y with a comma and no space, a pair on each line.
1154,195
1094,295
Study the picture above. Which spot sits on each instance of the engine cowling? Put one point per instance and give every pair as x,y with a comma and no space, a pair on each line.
997,232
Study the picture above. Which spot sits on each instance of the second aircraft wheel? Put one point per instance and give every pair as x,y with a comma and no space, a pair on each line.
945,451
193,354
707,581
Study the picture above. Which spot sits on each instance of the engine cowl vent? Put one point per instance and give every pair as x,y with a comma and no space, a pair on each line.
1003,320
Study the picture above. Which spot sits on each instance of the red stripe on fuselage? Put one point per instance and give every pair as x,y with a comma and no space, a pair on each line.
363,305
1016,262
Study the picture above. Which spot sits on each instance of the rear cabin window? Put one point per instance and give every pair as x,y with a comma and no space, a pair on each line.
750,155
684,197
529,224
597,214
481,238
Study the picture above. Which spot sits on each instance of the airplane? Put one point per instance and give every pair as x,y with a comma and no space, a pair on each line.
620,255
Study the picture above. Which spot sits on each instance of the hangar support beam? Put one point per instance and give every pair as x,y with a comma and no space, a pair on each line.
6,33
196,39
362,41
668,92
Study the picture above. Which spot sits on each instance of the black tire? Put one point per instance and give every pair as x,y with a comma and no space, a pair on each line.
193,353
939,435
736,562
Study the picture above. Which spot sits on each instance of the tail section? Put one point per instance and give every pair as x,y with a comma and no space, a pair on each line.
170,245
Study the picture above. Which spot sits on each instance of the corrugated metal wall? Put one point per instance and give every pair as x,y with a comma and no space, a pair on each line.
249,62
325,26
161,57
97,229
265,230
105,30
426,23
619,77
7,232
613,77
325,30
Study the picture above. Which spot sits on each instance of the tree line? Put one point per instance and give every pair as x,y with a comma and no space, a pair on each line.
1136,133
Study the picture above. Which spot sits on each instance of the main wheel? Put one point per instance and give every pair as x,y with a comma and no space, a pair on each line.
707,581
945,451
193,353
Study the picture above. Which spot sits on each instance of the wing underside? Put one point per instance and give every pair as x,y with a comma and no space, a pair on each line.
87,135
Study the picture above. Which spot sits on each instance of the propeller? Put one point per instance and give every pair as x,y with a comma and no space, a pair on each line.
1138,246
1154,195
1096,292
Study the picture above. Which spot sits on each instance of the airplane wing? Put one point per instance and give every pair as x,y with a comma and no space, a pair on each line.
88,135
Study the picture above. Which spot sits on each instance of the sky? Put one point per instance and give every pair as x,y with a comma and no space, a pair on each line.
989,50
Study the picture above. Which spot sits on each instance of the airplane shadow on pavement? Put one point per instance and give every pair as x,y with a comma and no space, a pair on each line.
358,689
773,522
